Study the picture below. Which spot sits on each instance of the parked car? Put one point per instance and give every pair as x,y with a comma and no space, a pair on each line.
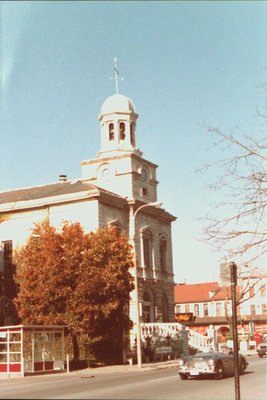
262,348
210,363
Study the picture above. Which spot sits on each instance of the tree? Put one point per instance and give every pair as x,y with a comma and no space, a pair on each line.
236,226
78,279
240,231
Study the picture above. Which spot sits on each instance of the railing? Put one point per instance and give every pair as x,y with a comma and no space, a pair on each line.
171,329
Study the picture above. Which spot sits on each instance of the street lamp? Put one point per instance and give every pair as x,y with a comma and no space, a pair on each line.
132,237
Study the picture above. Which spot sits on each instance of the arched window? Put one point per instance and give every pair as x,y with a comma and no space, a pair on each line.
116,225
147,238
147,308
111,131
132,135
165,308
162,253
122,130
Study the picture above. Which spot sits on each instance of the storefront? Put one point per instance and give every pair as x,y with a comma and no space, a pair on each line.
31,349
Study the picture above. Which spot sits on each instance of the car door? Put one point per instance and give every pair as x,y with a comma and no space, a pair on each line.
228,363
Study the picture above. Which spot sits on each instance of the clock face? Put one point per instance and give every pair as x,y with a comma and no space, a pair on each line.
144,174
106,171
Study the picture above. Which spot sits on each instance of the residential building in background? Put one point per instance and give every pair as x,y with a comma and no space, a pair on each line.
202,305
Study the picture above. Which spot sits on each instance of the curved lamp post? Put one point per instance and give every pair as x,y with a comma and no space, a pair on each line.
132,237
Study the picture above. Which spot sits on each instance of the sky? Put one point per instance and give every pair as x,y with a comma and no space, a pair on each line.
185,64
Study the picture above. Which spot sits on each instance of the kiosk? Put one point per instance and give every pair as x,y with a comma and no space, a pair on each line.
31,349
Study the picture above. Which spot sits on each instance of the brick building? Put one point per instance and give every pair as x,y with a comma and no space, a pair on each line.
203,304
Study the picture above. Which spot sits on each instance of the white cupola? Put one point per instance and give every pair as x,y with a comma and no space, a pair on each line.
118,126
119,166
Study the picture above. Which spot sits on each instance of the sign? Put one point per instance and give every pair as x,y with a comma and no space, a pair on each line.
163,350
226,270
225,274
184,317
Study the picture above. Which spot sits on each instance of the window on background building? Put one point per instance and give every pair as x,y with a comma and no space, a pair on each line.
206,310
111,131
187,308
122,130
263,291
196,310
264,308
162,253
218,309
252,309
178,308
147,238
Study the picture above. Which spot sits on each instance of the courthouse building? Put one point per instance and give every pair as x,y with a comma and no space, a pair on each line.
112,187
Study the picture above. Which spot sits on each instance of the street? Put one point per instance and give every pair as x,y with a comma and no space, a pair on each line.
131,383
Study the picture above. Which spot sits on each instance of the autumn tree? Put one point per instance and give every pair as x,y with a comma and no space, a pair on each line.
78,279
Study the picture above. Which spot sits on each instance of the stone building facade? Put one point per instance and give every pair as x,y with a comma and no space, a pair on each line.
115,188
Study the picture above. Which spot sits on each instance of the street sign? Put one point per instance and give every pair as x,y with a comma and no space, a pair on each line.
163,350
225,274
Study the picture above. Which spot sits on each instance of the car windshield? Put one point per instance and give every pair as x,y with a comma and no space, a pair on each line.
205,351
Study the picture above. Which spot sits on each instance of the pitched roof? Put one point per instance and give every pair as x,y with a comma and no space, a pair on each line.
199,292
43,191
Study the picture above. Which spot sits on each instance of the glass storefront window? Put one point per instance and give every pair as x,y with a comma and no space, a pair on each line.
14,337
3,358
14,347
14,357
3,347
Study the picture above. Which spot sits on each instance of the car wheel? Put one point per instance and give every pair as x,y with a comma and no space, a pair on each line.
242,368
260,355
183,377
219,371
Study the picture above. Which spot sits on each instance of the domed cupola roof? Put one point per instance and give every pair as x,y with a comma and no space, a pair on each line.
117,104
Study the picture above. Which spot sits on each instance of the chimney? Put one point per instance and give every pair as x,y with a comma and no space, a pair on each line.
63,178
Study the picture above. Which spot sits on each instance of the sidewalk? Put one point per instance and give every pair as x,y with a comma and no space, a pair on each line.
125,368
134,368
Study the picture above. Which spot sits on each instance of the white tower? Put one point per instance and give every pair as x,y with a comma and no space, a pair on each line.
119,166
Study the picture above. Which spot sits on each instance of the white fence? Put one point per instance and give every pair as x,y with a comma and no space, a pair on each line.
171,330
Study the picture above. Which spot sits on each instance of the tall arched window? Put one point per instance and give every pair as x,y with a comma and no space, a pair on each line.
122,130
147,238
111,131
132,139
162,253
148,304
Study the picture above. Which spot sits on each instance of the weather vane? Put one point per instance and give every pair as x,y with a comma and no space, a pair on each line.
117,78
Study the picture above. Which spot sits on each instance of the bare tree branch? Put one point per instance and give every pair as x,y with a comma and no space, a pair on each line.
237,226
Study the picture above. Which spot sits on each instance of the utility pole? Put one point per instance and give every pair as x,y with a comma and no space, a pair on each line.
233,272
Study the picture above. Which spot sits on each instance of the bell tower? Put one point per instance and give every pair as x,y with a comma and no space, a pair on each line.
119,166
118,127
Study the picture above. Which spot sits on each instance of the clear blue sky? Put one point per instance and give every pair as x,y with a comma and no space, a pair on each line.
183,63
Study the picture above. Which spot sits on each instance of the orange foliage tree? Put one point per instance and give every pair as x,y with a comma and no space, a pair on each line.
78,279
